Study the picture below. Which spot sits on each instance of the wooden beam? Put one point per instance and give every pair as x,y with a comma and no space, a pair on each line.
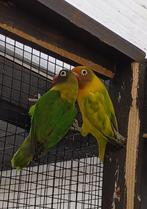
122,166
134,135
141,180
95,28
14,114
35,32
143,177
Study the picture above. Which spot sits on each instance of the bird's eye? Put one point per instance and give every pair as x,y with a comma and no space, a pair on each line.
63,73
84,72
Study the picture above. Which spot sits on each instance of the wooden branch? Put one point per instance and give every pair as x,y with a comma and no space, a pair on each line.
35,32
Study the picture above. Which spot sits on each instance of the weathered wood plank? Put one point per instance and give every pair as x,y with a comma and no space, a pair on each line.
114,195
128,18
94,27
121,170
143,177
33,30
141,182
134,136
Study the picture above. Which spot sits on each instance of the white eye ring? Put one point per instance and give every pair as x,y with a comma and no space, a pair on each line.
63,73
84,72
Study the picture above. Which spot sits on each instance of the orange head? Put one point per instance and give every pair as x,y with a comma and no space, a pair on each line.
84,75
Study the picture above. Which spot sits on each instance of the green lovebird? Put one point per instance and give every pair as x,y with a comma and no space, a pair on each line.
51,118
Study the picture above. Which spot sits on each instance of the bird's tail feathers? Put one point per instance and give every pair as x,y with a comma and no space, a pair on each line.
101,148
24,154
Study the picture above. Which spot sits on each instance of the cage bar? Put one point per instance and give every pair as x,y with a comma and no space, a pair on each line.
71,175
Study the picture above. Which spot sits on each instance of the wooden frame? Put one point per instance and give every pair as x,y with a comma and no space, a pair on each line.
110,56
96,29
82,42
142,184
122,166
46,37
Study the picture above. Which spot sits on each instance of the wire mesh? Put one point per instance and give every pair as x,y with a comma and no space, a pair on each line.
71,175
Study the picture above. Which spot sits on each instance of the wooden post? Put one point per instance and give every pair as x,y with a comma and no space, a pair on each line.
142,161
121,167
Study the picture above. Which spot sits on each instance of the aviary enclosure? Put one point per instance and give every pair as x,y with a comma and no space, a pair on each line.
71,175
37,40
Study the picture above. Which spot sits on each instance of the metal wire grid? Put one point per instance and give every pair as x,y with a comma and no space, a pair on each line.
71,175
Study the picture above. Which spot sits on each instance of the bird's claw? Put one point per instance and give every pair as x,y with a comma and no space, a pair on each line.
75,126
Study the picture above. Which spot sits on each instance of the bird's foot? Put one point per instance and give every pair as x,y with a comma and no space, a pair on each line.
75,126
35,98
120,139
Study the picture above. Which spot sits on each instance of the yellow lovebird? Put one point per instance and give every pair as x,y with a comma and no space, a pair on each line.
97,110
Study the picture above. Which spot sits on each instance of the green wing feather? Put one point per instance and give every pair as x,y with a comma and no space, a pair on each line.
55,115
109,109
51,117
48,112
100,112
61,128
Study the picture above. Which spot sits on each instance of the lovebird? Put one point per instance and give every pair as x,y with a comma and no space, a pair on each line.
51,118
98,115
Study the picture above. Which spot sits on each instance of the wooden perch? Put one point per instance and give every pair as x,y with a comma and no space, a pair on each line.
145,135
